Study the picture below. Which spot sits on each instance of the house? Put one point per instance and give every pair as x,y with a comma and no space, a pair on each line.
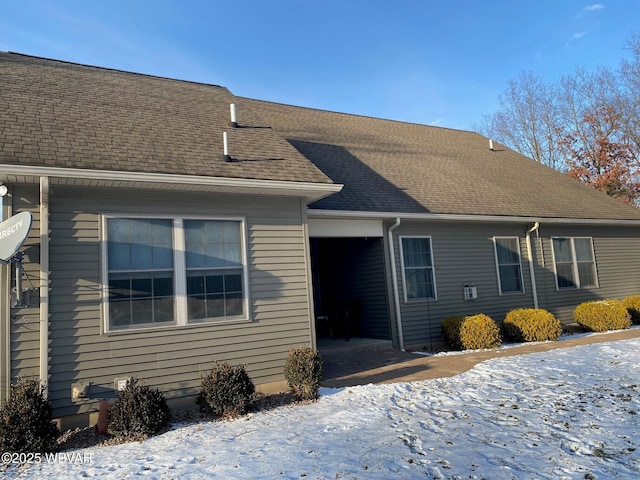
152,254
464,226
176,224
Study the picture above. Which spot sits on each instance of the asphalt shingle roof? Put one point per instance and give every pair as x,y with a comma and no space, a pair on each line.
59,114
391,166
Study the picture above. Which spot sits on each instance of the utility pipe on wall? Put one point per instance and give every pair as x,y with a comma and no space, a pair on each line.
534,290
44,284
394,279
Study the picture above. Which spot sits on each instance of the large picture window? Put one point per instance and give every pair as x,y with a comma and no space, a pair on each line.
417,268
173,271
508,264
574,261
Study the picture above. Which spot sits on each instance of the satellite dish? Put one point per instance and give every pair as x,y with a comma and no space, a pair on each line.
13,233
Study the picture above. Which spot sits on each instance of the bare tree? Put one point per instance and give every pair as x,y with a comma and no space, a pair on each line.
527,120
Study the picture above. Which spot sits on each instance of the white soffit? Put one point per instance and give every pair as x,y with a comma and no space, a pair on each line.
325,227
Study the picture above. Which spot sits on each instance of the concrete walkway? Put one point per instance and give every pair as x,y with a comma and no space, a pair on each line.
362,367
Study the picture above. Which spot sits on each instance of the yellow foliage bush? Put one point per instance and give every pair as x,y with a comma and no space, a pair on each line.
531,325
632,304
471,332
603,315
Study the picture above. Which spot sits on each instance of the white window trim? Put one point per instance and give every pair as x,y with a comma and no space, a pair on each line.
574,263
180,272
433,270
495,255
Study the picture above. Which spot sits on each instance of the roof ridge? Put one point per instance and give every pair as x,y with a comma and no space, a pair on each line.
371,117
112,69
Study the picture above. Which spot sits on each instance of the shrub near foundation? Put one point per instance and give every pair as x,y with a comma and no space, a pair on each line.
226,391
632,304
303,371
531,325
602,315
471,332
138,411
26,425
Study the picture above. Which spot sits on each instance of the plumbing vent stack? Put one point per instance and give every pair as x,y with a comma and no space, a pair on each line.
225,147
490,144
233,123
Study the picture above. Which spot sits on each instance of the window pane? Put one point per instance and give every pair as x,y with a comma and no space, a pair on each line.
507,250
140,298
416,252
419,283
212,294
562,250
213,243
565,275
139,243
584,252
510,278
587,274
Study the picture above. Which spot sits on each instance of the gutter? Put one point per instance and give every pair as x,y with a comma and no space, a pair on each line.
312,191
317,213
44,284
534,289
394,279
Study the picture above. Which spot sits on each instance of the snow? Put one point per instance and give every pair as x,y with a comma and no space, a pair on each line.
565,414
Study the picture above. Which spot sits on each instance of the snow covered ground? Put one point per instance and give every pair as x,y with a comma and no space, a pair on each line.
572,413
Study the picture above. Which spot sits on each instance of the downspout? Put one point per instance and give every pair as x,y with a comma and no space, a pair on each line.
394,279
44,284
5,316
534,289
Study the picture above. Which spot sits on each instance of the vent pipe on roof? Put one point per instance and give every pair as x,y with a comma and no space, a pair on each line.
233,123
225,147
490,144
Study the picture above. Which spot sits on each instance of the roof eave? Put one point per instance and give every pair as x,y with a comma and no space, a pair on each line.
346,214
311,191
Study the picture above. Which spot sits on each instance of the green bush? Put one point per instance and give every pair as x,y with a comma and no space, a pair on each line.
138,411
25,420
632,304
602,315
531,325
471,332
303,371
226,391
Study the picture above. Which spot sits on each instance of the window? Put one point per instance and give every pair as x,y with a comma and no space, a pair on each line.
417,267
574,262
509,268
173,271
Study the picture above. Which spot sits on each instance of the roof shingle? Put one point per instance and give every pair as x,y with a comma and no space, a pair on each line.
60,114
391,166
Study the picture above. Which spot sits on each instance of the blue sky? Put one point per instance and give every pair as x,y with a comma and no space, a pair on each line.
436,62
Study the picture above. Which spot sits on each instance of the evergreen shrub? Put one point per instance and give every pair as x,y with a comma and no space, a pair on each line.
531,325
26,425
303,371
632,304
138,411
603,315
226,391
471,332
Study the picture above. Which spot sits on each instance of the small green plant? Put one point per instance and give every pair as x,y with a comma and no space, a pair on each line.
632,304
25,420
303,371
602,315
226,391
471,332
531,325
138,411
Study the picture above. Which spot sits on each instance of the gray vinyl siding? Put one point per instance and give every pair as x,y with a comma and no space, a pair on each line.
462,254
617,255
174,358
25,323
